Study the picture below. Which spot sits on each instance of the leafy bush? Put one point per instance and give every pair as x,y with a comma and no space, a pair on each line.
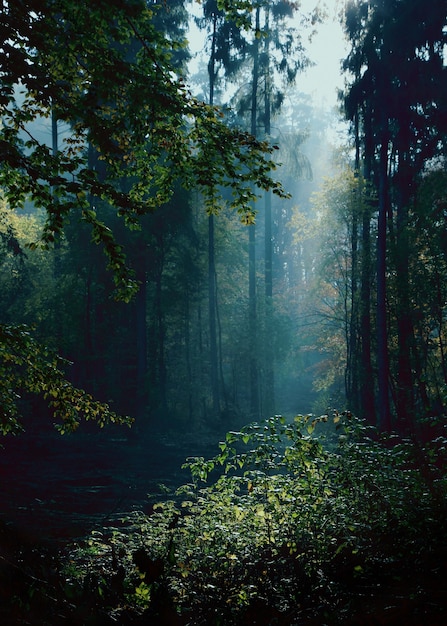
288,519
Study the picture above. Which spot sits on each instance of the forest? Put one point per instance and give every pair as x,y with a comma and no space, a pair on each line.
223,320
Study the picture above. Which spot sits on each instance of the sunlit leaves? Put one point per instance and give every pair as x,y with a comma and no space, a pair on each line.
27,367
134,134
132,108
224,157
290,521
239,11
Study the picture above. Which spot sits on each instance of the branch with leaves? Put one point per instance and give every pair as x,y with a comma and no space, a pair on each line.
27,367
133,134
144,131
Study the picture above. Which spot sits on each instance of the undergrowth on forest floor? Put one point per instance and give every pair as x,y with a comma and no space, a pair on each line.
311,521
287,520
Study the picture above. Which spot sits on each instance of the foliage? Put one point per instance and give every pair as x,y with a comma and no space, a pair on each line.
28,367
396,61
109,75
338,206
133,110
289,519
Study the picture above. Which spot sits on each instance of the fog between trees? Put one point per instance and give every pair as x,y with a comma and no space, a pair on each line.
326,293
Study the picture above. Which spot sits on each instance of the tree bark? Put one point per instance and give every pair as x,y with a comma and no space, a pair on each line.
367,380
405,381
211,257
382,330
269,382
141,343
352,356
252,308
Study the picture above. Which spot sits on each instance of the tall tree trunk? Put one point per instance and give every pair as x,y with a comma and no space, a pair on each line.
269,381
367,375
212,318
141,343
211,256
252,308
352,374
160,326
222,378
252,321
189,374
440,316
57,242
382,331
405,382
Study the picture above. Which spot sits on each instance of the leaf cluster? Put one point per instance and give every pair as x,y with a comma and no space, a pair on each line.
135,130
134,133
28,367
288,519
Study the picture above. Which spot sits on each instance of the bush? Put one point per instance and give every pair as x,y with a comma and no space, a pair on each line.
287,520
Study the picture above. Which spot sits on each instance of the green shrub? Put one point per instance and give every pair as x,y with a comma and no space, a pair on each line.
287,518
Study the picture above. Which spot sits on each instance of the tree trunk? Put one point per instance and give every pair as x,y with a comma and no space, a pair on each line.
58,331
405,382
252,309
382,331
212,319
189,374
352,373
141,344
269,381
160,328
211,259
440,316
367,376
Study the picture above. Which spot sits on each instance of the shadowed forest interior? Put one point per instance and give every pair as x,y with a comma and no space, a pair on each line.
200,259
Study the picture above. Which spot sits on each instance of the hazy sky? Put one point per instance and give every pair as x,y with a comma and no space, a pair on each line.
326,49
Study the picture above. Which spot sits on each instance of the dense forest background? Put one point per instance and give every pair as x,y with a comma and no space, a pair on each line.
188,242
331,297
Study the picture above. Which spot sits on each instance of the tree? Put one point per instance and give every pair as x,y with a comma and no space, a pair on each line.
133,109
276,56
212,75
225,40
282,58
337,207
396,61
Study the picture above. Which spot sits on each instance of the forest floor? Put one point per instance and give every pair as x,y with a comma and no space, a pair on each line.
55,491
61,487
32,593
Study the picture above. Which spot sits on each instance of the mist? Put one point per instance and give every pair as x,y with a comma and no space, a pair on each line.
222,241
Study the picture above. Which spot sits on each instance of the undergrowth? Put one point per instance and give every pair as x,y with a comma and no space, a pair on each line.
288,522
